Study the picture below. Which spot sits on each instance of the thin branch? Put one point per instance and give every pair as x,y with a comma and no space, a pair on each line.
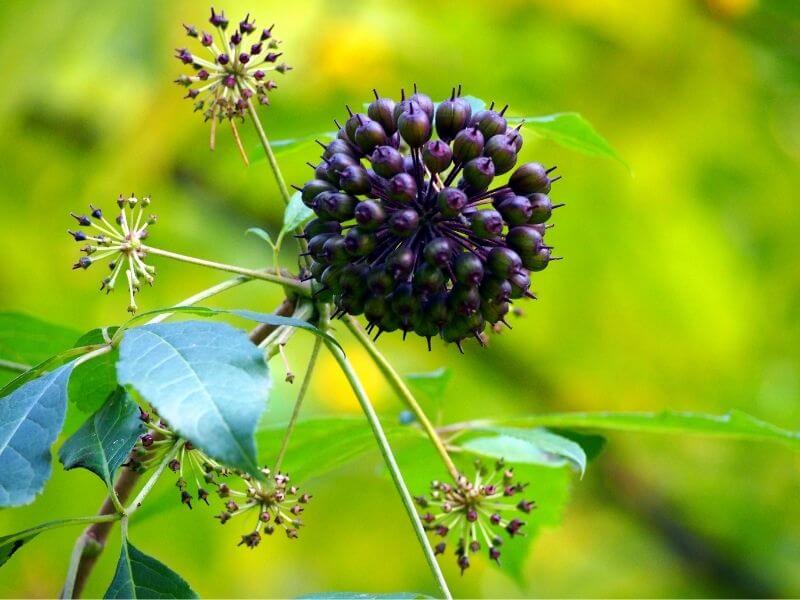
391,463
402,390
9,365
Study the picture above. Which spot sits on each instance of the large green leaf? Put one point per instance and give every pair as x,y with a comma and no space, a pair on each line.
142,576
104,441
93,381
31,418
208,380
321,444
572,131
27,340
529,446
734,425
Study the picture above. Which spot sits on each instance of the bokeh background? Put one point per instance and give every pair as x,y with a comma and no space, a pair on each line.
680,287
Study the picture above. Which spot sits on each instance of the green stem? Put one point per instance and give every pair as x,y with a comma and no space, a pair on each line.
391,463
402,390
59,523
273,162
312,361
168,456
10,365
276,171
200,296
287,282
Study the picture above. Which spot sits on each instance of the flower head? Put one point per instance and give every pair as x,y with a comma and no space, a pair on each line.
411,229
269,503
234,66
120,242
475,513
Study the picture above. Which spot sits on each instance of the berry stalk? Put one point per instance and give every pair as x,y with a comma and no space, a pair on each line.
276,171
312,361
287,282
391,463
402,390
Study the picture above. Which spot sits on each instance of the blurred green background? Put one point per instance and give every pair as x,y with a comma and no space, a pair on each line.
680,287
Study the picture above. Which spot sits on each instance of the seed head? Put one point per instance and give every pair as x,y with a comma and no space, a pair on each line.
230,68
474,513
415,232
119,241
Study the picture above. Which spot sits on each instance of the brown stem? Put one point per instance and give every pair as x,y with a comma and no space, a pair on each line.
92,541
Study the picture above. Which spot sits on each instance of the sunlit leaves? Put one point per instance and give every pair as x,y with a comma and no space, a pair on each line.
9,544
141,576
208,380
296,214
528,446
572,131
30,420
104,441
734,425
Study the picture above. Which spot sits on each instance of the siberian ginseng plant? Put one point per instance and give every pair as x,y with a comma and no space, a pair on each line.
418,219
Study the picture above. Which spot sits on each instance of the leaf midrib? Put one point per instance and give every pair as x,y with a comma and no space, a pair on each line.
205,392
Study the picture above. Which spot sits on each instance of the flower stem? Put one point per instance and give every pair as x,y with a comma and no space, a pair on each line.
276,171
391,463
312,361
13,366
402,390
287,282
168,456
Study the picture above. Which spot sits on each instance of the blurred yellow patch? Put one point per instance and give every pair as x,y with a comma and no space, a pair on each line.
330,387
350,60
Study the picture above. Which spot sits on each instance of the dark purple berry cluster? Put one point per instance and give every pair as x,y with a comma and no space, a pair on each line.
413,231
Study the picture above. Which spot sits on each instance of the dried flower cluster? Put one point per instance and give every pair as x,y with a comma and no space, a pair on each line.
271,501
121,242
237,67
413,232
475,512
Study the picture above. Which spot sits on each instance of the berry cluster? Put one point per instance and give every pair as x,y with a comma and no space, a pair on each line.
120,241
410,230
272,501
473,512
236,71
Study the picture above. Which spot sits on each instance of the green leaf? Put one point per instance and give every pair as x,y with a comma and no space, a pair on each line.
95,380
572,131
29,341
322,444
208,380
31,418
296,214
364,596
432,384
257,231
734,425
529,446
104,441
142,576
266,318
9,544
